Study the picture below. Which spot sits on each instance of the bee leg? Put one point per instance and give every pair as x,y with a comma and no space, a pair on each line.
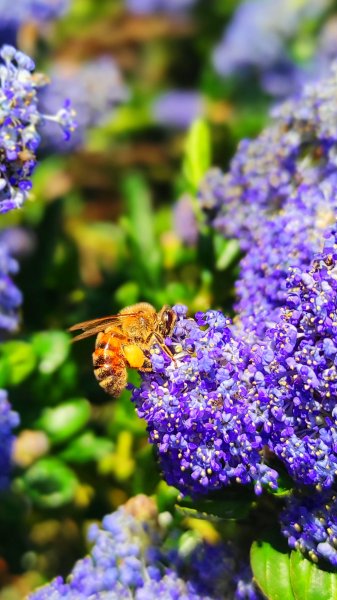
161,343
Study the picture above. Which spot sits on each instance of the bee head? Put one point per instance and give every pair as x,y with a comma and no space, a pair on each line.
167,319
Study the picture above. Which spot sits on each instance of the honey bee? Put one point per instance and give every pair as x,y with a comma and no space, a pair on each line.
125,340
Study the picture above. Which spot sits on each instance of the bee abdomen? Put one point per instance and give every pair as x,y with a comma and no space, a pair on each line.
110,383
109,365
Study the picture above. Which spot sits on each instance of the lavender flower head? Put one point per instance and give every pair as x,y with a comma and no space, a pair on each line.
153,6
185,221
8,420
240,397
95,89
278,199
229,404
310,524
129,559
271,25
208,425
31,10
177,108
10,295
19,119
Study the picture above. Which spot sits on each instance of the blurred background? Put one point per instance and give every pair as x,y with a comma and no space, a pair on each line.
113,219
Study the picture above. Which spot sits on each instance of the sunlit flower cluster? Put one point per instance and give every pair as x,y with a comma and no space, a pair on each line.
278,199
243,401
227,406
20,119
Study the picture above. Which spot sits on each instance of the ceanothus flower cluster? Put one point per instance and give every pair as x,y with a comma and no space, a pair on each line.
20,118
132,557
242,401
94,88
27,11
208,429
272,26
8,421
10,295
154,6
229,405
19,140
310,524
32,10
278,199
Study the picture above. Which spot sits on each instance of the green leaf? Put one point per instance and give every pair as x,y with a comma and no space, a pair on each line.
52,349
87,447
226,252
65,420
17,361
140,228
309,581
166,496
222,509
49,483
270,562
197,158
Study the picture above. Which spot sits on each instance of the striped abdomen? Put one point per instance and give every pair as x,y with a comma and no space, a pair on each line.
109,363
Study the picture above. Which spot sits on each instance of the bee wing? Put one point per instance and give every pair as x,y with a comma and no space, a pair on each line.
94,326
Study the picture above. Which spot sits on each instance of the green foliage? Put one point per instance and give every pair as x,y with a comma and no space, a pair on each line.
87,447
309,581
229,507
197,159
51,349
17,361
271,568
49,483
285,575
65,420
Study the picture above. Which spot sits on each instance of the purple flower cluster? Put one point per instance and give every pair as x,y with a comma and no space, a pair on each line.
153,6
208,429
31,10
20,118
8,420
27,11
310,524
242,400
228,403
177,108
132,557
184,220
10,295
94,88
234,410
278,199
271,26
